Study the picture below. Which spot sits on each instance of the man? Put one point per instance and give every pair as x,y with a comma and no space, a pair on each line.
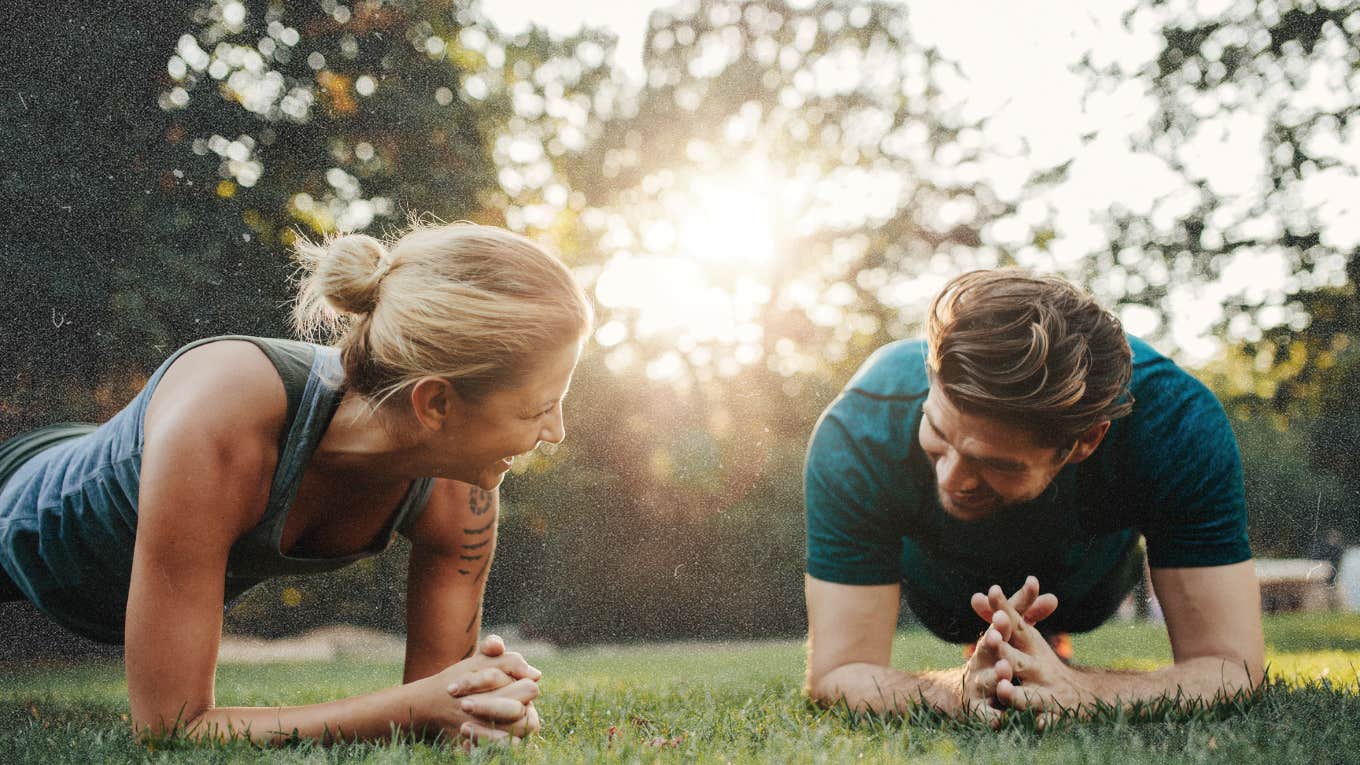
1026,437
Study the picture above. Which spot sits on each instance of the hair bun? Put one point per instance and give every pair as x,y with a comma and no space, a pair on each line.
351,272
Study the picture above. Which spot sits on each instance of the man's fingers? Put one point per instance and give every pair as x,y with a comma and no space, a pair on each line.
982,710
492,645
987,650
479,681
1022,634
1042,608
981,607
1003,670
1024,597
1019,662
1001,622
1012,695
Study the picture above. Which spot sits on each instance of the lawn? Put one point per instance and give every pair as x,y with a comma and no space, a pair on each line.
741,702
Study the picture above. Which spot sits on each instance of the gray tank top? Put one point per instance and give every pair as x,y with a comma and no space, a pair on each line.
68,499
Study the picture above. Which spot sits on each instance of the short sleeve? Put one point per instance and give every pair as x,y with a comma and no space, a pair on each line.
851,537
1189,464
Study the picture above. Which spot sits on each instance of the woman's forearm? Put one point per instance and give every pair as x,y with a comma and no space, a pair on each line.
365,717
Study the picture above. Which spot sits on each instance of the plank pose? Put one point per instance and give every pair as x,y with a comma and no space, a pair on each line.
1026,437
247,458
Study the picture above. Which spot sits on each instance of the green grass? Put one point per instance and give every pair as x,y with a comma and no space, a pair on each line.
741,702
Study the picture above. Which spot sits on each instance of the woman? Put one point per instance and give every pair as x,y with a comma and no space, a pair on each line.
247,458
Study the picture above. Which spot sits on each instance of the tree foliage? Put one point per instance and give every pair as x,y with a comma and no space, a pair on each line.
780,196
1285,75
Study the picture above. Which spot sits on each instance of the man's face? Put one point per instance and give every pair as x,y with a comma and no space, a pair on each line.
982,465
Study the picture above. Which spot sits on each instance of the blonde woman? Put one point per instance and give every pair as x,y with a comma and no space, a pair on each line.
247,458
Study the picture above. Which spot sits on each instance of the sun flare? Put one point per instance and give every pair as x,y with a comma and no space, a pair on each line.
702,274
733,223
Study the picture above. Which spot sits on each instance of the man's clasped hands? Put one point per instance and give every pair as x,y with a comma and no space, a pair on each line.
1013,666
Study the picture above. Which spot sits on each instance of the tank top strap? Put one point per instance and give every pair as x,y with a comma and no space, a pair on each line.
320,397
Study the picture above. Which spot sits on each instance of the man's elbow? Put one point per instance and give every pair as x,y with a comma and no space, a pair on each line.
1255,668
824,687
814,686
1239,672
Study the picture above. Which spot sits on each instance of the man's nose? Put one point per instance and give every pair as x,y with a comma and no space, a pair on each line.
953,474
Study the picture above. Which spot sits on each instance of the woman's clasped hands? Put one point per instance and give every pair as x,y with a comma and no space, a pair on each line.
492,692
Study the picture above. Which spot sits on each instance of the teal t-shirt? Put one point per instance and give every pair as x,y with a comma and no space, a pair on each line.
1170,471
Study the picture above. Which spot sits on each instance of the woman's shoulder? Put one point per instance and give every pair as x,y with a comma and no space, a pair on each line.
227,387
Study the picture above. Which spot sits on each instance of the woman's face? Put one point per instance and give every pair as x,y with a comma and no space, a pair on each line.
485,436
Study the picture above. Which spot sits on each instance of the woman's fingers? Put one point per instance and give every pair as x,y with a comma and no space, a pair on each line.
492,646
480,681
523,691
475,734
497,709
503,705
531,720
513,664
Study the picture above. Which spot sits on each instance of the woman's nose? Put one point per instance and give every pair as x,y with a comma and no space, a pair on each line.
555,429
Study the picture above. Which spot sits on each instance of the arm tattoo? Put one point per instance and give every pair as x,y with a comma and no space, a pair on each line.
482,571
475,615
480,529
480,500
470,557
482,543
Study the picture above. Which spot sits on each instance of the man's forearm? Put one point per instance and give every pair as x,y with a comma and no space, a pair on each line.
876,688
1203,678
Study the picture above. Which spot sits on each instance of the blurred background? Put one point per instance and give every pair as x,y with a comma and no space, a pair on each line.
756,195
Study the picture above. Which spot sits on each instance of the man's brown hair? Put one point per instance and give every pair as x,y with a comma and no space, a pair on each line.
1031,351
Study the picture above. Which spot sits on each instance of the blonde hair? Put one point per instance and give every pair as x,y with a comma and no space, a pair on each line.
1032,351
477,305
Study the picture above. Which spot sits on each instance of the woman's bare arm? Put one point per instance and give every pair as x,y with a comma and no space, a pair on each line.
207,462
453,541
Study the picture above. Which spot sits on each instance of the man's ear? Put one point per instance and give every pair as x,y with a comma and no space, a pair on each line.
433,400
1088,441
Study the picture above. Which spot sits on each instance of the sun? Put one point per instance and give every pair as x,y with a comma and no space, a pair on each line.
731,223
701,277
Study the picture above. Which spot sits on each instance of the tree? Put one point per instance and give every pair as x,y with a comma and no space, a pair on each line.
814,146
1279,80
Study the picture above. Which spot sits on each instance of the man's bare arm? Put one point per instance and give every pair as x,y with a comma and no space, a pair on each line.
850,633
1213,617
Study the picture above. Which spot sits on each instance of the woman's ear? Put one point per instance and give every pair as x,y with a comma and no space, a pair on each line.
433,401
